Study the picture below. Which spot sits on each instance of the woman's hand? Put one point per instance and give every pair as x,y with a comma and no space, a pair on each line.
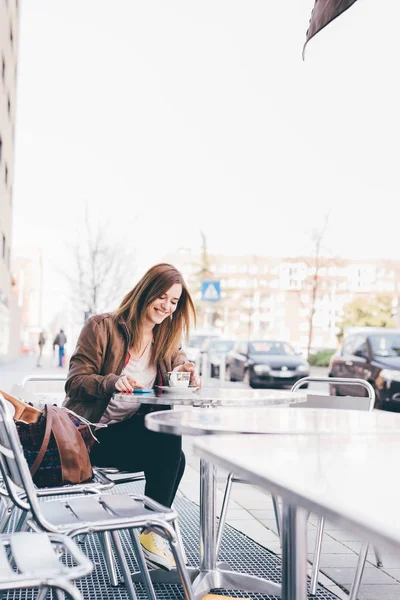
126,384
189,367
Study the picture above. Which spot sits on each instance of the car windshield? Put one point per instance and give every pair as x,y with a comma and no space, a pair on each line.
270,348
385,344
221,346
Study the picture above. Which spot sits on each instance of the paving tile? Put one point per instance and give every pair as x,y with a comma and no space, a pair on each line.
336,560
390,561
395,573
237,513
329,546
254,530
343,536
262,513
371,575
379,592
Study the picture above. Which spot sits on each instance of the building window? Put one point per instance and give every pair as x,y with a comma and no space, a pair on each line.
1,148
8,106
4,246
6,175
11,35
3,69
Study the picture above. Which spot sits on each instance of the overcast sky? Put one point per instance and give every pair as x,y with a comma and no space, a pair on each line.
172,116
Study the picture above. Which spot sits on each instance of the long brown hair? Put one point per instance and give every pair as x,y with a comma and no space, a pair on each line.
168,334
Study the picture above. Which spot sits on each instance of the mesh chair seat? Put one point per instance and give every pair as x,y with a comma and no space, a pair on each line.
36,557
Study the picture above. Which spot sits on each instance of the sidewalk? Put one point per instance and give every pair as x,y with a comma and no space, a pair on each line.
12,373
251,512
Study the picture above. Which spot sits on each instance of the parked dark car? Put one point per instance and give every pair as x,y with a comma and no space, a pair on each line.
372,354
217,350
265,363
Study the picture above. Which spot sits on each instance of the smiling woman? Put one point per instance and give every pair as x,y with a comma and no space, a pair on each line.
135,348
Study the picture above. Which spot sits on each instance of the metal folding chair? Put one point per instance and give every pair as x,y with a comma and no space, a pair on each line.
345,403
96,514
32,560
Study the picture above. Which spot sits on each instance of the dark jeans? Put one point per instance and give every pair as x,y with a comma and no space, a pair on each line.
61,356
129,446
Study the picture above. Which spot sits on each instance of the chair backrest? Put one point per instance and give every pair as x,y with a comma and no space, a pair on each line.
341,402
44,383
41,389
14,468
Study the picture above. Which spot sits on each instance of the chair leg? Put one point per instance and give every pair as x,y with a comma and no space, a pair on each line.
362,557
317,557
223,513
6,516
130,588
180,541
105,541
148,584
59,594
42,593
378,558
69,589
177,552
275,504
22,521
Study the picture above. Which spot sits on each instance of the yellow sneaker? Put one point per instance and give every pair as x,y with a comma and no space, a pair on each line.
156,551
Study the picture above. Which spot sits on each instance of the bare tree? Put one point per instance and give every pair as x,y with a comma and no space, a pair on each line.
102,272
317,237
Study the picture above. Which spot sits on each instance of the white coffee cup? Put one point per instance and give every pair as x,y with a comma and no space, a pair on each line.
179,379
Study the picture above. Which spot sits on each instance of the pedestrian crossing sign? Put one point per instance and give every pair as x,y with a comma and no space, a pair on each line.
211,291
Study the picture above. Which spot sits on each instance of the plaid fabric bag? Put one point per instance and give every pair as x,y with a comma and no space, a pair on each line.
56,448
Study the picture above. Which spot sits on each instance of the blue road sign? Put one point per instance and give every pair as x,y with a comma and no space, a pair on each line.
211,291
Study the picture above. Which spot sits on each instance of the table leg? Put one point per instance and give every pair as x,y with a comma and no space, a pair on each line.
210,576
294,553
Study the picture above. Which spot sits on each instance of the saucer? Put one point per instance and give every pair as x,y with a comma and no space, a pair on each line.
177,390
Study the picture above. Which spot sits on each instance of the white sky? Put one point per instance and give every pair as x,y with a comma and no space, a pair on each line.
171,116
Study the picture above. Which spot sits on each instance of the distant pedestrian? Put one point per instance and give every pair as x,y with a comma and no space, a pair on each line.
60,340
41,343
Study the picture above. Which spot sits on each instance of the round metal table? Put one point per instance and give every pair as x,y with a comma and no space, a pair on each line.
224,403
214,397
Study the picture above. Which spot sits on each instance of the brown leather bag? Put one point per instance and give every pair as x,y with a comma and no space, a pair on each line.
23,412
74,457
56,443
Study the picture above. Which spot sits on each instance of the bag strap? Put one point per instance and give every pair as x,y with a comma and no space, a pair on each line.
74,456
45,443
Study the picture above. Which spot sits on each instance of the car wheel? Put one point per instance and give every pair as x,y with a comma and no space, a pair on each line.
228,376
333,391
378,400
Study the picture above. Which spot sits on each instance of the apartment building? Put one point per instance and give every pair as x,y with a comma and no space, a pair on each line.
9,21
272,297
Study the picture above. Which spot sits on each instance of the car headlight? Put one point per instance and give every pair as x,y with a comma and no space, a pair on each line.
261,369
303,368
390,375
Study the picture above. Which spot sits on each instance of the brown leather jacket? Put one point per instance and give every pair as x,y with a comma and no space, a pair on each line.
98,362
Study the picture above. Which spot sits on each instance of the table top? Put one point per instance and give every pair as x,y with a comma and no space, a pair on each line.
217,397
273,421
349,479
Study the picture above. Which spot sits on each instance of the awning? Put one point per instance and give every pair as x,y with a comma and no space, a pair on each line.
324,12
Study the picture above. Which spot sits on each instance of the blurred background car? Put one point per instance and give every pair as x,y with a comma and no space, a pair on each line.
265,363
370,353
216,350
